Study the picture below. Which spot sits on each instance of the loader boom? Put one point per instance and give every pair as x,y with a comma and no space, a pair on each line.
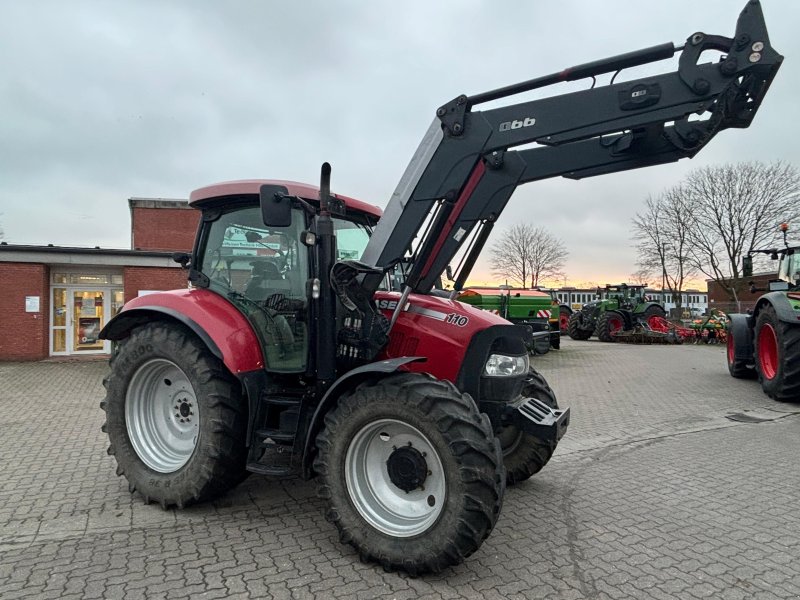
464,171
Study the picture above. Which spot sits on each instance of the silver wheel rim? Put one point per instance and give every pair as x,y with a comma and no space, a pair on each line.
379,501
162,415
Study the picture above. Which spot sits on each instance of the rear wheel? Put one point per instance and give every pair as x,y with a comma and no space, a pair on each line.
608,325
175,417
574,329
523,454
777,356
737,367
411,471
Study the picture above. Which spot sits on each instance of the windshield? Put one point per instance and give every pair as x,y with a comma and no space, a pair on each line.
790,268
351,239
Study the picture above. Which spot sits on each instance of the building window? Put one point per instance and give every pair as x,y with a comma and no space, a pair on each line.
78,278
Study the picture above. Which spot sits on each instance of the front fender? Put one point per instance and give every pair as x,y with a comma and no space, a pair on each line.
347,381
224,330
783,308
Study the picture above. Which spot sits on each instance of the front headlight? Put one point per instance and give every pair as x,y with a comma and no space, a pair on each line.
500,365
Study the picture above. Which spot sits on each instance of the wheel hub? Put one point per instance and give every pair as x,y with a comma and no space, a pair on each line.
183,410
407,468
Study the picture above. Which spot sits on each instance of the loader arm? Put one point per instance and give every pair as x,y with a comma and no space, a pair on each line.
464,171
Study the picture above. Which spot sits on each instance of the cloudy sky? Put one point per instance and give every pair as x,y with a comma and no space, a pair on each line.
102,101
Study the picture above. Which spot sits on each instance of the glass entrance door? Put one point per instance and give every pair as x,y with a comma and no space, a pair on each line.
88,317
59,318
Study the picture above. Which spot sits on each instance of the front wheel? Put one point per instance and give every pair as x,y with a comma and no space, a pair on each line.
175,418
524,454
777,356
411,471
576,332
608,325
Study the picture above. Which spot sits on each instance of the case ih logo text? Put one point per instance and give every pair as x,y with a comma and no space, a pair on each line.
387,304
509,125
456,319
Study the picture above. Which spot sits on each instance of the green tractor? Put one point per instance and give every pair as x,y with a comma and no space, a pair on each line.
765,343
530,307
620,308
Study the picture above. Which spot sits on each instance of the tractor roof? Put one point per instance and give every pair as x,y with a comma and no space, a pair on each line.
250,187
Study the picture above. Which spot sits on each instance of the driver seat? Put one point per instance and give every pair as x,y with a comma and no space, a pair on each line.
264,281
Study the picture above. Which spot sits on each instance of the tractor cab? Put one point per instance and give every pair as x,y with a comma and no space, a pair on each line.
626,296
267,271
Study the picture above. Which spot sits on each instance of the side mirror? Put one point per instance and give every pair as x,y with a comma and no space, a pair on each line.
747,266
276,206
182,258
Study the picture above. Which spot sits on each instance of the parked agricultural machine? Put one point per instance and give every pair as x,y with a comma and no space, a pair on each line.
525,307
622,313
287,357
711,329
765,342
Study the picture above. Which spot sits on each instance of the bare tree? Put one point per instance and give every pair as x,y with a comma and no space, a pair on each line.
737,208
642,276
662,233
527,253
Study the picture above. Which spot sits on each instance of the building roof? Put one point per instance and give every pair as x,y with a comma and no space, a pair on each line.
251,187
51,254
174,203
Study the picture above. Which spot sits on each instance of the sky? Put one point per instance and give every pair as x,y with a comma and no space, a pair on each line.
103,101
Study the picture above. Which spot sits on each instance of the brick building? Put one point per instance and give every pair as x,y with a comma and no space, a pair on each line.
720,298
55,299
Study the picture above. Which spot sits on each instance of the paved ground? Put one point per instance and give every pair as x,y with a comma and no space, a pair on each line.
654,493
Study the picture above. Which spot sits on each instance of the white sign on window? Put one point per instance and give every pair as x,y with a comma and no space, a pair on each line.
32,304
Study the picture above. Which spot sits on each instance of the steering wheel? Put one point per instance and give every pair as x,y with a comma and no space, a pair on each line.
276,302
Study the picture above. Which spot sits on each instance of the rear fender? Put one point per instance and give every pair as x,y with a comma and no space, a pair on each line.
741,328
221,327
346,382
779,302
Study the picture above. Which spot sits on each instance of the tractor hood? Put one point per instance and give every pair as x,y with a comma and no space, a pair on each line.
437,328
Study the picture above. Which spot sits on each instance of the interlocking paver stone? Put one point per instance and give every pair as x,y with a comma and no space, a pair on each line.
652,494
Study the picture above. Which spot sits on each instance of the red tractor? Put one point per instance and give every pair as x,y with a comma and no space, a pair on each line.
292,353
